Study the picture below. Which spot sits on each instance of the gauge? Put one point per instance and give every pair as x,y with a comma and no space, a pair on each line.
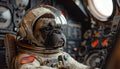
107,31
22,3
101,9
94,60
5,17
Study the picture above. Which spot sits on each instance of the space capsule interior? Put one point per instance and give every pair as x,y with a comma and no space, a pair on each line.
92,30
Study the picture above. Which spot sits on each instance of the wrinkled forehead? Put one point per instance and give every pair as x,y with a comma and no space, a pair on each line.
47,19
43,22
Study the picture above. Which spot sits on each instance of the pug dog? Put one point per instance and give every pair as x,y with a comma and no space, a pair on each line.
39,41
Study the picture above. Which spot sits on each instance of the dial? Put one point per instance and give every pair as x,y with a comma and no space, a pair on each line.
106,31
5,17
95,58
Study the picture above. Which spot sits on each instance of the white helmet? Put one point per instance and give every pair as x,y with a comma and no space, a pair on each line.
41,27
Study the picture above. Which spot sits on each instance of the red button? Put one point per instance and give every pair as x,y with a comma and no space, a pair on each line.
95,43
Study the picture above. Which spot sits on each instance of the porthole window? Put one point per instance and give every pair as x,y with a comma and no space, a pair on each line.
100,9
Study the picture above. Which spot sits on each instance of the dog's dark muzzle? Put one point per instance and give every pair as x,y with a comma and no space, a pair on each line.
55,39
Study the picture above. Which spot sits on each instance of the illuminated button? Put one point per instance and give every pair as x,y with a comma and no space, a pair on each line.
105,42
95,43
75,49
97,35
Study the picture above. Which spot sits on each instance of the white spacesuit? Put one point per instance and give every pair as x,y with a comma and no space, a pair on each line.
40,42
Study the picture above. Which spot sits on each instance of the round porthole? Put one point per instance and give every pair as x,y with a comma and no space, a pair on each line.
5,17
101,9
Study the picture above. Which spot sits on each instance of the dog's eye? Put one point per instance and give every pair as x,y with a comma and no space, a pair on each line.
46,29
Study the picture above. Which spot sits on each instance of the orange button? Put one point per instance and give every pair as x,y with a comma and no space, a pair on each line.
95,43
97,34
105,42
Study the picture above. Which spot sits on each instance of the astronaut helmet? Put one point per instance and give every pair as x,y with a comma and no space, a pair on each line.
41,26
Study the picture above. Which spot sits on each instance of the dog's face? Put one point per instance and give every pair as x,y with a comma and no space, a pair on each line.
48,32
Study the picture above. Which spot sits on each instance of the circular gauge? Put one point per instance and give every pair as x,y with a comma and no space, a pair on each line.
107,31
22,3
5,17
101,9
94,60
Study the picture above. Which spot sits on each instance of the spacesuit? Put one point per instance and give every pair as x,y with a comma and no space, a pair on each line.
40,41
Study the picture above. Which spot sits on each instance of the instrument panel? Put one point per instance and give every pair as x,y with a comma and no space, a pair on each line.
97,38
73,35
